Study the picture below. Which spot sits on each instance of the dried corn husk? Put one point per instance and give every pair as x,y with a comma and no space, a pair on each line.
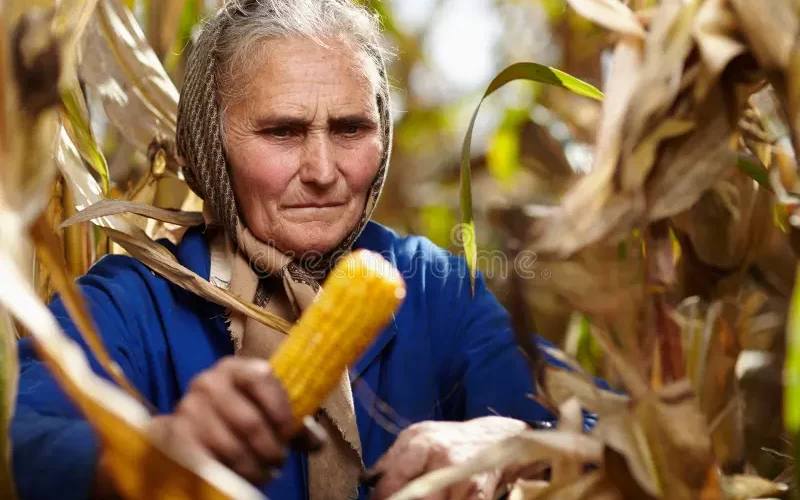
139,98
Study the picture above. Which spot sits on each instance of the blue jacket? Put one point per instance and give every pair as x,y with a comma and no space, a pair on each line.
446,356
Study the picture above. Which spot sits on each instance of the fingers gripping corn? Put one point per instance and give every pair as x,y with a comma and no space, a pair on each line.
357,300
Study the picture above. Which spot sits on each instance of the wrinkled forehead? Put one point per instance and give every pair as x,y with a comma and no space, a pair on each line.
277,66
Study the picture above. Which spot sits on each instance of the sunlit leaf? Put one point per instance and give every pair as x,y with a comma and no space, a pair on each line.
108,207
140,99
611,14
85,189
70,21
76,122
519,71
741,487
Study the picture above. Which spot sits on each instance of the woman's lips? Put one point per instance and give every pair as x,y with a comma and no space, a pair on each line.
311,212
315,205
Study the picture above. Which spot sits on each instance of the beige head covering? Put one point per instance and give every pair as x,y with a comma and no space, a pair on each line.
290,285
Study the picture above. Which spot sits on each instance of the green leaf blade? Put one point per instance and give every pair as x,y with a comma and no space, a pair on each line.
519,71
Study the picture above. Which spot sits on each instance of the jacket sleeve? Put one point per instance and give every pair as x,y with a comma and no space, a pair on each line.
54,448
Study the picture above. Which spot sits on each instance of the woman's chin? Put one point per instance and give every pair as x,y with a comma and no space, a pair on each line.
308,247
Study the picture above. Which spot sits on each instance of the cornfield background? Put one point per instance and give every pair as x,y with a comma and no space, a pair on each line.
662,213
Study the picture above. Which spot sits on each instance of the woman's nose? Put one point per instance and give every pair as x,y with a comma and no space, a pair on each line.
318,163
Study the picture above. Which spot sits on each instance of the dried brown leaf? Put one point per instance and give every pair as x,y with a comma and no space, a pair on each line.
668,45
49,252
163,262
107,207
71,19
85,189
729,224
118,419
716,33
528,490
741,487
592,486
618,471
770,28
139,98
8,385
562,385
594,280
679,441
627,367
133,239
610,14
625,436
718,389
644,155
570,420
164,24
524,448
591,208
690,165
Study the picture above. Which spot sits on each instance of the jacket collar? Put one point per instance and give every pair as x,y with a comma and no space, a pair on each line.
196,253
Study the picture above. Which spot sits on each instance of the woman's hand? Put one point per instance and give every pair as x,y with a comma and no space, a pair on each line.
238,413
428,446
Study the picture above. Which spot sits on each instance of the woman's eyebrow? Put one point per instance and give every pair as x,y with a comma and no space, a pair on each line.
352,119
290,121
277,120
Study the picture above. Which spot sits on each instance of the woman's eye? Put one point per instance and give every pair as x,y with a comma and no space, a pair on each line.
280,133
349,130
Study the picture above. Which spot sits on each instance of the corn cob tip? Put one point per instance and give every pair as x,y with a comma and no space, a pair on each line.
358,299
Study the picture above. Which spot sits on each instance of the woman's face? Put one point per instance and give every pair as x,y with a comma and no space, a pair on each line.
304,145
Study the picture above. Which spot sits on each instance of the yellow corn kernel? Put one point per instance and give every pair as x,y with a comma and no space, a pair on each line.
357,300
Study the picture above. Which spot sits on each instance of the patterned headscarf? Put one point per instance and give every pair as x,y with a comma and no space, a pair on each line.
200,141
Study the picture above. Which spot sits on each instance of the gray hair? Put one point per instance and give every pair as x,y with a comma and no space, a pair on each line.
250,22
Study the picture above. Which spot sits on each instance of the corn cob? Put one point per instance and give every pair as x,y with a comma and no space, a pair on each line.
356,302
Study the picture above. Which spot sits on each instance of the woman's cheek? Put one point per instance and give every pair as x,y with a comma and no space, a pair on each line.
263,175
364,167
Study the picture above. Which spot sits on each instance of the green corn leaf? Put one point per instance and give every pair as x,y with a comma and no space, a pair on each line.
752,168
791,373
520,71
76,122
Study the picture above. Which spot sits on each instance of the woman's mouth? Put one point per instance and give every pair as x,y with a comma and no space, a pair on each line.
317,206
309,212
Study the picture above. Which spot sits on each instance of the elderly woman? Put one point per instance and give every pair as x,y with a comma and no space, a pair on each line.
285,131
